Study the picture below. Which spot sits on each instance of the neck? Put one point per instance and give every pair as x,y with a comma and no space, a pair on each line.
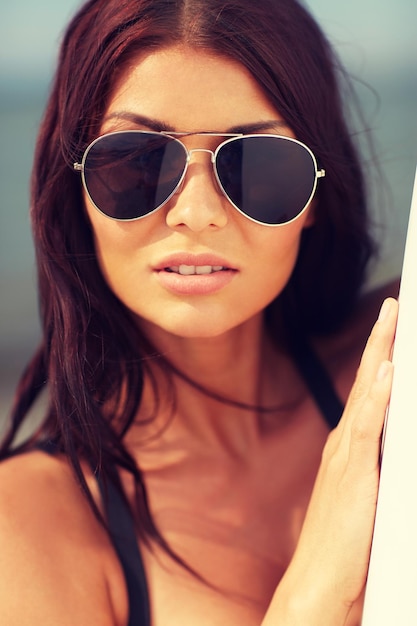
239,367
228,365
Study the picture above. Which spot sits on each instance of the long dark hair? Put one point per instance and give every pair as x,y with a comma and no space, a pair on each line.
92,356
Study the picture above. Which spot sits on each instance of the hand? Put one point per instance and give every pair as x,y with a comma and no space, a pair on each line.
328,571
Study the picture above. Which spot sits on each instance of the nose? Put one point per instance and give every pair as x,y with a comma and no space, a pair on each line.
199,203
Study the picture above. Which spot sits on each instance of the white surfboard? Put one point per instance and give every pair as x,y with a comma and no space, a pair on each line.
391,593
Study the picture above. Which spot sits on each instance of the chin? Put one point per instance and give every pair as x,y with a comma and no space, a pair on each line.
198,328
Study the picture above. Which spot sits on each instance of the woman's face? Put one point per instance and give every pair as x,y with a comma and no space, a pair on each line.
198,229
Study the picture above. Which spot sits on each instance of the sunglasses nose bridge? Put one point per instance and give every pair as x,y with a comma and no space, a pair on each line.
191,152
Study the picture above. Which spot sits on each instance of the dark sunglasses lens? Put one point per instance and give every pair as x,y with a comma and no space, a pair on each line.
270,179
130,174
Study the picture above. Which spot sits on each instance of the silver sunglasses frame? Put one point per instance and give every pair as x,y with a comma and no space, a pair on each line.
80,167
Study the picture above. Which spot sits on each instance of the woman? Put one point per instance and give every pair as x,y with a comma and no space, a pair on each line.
202,238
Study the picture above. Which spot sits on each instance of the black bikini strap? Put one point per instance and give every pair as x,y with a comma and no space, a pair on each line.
123,533
318,381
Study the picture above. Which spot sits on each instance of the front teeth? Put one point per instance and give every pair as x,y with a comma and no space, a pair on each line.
189,270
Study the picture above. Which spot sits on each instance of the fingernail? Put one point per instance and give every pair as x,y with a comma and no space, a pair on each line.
383,370
385,308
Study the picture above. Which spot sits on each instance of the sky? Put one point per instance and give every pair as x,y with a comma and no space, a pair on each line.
377,33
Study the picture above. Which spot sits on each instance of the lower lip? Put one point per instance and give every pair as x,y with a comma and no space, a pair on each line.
196,284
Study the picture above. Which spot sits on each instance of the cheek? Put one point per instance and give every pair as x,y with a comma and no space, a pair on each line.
279,249
273,261
282,264
121,264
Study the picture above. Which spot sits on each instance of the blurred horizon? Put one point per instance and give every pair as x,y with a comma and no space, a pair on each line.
376,42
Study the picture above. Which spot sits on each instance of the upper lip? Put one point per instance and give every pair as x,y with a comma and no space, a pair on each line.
186,258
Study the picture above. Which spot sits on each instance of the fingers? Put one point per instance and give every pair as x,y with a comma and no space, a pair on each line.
377,351
369,398
367,424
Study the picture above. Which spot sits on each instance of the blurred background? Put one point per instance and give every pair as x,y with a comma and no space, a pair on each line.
377,43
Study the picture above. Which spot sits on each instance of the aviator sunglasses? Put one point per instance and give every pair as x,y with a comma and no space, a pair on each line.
128,175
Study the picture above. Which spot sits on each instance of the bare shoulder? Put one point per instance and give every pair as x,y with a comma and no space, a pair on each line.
342,351
56,554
